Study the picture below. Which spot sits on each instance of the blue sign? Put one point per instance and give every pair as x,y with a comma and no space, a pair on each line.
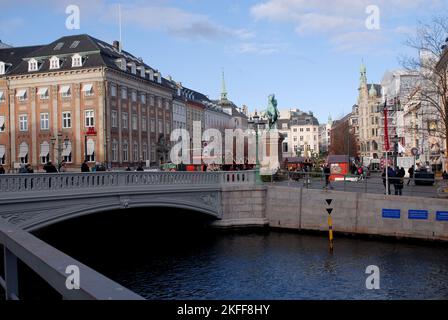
418,214
391,213
442,216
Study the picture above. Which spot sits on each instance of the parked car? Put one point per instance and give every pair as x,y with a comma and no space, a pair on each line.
427,178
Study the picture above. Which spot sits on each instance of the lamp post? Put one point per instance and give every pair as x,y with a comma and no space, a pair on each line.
256,121
59,141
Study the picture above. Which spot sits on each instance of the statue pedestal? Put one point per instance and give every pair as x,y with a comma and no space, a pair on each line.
271,156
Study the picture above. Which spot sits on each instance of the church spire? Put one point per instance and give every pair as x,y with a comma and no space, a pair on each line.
223,88
363,71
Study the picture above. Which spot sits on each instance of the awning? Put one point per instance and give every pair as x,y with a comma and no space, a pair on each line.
44,149
67,150
23,150
90,147
2,151
42,92
21,93
64,89
1,95
2,121
87,87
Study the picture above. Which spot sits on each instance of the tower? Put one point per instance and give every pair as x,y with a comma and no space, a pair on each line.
223,88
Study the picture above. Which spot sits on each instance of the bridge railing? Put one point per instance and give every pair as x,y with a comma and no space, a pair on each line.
68,181
51,265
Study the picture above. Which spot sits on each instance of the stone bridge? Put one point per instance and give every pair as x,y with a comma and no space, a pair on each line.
33,201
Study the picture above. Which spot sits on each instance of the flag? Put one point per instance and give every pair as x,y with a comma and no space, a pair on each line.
386,129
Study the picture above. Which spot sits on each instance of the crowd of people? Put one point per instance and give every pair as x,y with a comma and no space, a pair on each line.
395,177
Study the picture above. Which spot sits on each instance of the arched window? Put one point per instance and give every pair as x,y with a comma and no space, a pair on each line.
76,61
54,63
90,150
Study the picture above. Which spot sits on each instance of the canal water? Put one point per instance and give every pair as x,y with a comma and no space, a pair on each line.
176,257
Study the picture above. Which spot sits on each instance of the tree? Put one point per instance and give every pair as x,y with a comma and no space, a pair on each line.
343,140
431,90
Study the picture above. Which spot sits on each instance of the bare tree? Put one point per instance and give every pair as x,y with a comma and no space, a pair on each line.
432,87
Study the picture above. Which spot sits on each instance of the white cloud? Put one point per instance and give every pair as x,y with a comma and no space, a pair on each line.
342,21
267,48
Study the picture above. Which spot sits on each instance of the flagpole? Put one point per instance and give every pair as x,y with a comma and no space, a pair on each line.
386,144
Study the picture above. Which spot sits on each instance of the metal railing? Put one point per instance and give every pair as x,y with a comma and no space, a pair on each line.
72,181
375,183
51,265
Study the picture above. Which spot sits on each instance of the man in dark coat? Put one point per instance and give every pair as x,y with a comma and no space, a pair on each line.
50,168
85,167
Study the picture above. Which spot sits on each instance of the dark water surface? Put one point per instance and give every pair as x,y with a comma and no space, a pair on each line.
175,258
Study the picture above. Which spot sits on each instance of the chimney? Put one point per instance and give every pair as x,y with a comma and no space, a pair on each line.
116,44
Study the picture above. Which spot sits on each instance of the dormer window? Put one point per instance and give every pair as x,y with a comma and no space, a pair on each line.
76,61
133,67
54,63
2,68
142,71
159,77
121,63
33,65
151,74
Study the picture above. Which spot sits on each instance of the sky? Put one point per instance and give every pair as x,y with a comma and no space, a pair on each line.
307,52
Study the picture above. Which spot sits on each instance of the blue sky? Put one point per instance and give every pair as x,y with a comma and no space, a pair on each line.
307,52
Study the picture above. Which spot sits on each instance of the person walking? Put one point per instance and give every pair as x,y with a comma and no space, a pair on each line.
50,168
29,168
399,181
445,175
22,168
2,170
140,167
85,167
411,172
327,174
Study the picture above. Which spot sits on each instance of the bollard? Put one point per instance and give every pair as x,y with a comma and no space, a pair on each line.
330,226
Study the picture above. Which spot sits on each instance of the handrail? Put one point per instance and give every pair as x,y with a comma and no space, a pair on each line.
50,264
69,181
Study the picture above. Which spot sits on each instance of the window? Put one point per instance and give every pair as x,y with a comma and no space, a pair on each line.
90,150
113,90
65,91
22,95
44,121
151,100
135,152
167,105
76,61
160,126
54,63
2,154
67,152
125,151
44,152
2,124
144,124
33,65
114,119
294,130
66,120
143,98
153,125
301,129
23,122
153,152
285,147
124,118
114,150
124,93
58,46
74,44
134,122
87,89
2,68
43,93
145,151
23,153
167,128
301,138
308,130
2,96
134,96
90,118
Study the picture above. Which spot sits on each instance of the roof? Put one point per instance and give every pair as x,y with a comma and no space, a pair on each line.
377,87
97,53
13,56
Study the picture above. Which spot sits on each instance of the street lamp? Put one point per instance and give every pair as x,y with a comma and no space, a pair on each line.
256,121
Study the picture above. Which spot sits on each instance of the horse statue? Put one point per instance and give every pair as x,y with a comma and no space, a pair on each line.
272,112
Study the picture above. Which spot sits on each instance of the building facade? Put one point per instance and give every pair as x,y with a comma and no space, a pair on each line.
79,98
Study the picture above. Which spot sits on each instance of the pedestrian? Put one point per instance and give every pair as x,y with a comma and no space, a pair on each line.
29,168
2,170
327,174
62,167
128,168
140,167
399,182
85,167
22,168
411,172
99,167
445,175
50,168
390,180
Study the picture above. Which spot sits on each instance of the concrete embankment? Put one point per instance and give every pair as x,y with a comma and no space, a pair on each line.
354,213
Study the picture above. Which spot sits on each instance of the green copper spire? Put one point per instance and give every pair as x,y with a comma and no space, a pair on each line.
330,120
363,71
223,89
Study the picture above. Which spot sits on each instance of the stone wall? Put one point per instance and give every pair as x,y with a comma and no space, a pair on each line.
357,213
